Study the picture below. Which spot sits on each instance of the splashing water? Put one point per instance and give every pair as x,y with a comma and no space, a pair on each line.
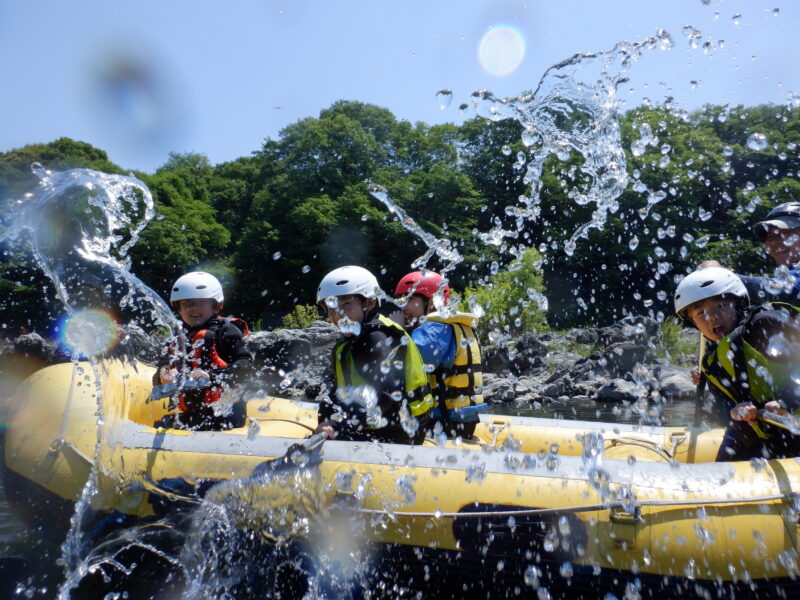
573,110
80,225
442,248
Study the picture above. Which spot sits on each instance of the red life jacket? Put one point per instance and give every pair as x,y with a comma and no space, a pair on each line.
203,344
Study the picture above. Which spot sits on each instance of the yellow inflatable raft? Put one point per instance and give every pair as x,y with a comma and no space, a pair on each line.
509,516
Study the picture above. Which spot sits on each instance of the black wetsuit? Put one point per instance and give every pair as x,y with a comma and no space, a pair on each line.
370,350
767,334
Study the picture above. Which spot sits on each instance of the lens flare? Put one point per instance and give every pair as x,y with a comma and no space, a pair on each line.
501,50
89,333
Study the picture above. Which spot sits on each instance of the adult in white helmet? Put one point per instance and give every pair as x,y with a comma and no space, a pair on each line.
749,363
215,352
379,389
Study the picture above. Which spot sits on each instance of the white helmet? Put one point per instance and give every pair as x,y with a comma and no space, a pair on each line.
707,283
196,284
345,281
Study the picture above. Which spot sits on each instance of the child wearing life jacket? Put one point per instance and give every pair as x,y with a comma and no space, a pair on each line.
380,390
214,351
449,348
752,363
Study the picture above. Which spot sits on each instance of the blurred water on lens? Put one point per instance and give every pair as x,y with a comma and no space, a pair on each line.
135,103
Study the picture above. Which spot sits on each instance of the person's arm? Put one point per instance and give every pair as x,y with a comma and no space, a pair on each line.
165,366
232,349
436,344
328,406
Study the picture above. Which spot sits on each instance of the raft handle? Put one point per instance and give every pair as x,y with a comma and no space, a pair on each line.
622,516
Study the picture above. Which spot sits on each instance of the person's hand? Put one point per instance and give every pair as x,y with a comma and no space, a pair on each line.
695,373
327,430
398,317
168,375
199,374
775,406
708,263
744,411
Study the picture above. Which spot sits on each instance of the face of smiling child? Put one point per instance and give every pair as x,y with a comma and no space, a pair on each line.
197,311
353,306
715,317
414,309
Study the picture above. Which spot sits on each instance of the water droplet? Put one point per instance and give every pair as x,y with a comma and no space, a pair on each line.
276,256
506,150
757,141
444,97
563,525
531,576
566,570
306,269
633,243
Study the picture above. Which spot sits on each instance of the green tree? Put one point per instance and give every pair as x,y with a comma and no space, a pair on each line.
513,300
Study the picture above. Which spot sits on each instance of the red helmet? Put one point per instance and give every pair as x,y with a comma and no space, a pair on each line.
426,285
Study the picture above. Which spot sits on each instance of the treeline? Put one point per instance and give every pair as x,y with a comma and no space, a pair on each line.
272,223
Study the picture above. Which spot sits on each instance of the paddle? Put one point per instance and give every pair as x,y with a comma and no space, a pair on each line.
170,389
281,497
271,484
701,386
300,455
786,422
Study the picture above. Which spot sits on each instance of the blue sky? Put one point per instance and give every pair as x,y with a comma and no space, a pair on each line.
142,78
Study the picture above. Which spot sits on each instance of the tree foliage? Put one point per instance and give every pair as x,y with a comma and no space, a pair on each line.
272,223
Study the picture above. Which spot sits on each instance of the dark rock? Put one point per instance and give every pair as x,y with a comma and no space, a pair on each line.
562,360
32,345
290,349
135,343
495,359
527,355
619,390
640,329
497,389
675,383
560,387
589,387
530,345
588,336
621,357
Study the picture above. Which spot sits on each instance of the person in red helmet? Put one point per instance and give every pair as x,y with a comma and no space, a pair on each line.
449,346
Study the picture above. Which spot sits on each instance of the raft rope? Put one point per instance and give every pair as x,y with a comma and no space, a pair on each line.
281,420
578,509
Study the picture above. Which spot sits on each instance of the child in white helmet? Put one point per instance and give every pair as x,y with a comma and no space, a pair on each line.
752,363
215,351
380,389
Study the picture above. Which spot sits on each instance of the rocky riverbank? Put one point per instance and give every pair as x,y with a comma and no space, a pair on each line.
623,362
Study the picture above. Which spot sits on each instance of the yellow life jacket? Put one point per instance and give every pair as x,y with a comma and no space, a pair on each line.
461,384
416,394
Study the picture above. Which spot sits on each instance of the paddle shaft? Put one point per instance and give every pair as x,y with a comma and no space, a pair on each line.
783,421
701,386
170,389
